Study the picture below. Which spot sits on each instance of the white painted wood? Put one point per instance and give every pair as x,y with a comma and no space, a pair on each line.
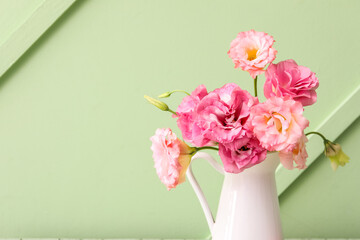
164,239
332,126
39,238
122,239
23,37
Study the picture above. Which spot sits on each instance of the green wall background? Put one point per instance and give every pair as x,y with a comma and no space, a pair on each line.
322,203
13,14
75,152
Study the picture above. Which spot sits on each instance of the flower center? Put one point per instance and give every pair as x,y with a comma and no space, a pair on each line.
278,125
251,53
276,120
296,150
229,121
244,148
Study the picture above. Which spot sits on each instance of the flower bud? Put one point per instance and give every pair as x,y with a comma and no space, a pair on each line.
337,157
161,105
165,95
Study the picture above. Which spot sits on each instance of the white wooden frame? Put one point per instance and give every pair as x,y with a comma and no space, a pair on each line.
23,37
162,239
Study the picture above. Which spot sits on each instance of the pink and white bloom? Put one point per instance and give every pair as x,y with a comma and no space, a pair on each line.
287,79
297,155
241,154
222,114
186,117
252,51
278,123
171,156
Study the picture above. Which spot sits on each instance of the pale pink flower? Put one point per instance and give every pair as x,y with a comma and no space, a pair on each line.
171,156
298,155
278,123
289,79
222,114
186,118
241,154
252,51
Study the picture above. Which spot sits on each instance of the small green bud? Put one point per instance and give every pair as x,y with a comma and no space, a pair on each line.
168,94
165,95
161,105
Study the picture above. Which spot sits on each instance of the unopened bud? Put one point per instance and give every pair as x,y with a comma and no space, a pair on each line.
159,104
165,95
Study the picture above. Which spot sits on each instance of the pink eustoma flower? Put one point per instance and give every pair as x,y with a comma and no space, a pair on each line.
287,79
278,123
252,51
241,154
297,155
222,114
171,156
186,118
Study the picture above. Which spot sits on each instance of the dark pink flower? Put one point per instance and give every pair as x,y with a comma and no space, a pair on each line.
241,154
287,79
186,117
222,114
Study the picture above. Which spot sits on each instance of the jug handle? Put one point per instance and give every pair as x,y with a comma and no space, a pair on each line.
199,193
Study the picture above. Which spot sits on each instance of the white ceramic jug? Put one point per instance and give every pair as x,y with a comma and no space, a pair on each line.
248,207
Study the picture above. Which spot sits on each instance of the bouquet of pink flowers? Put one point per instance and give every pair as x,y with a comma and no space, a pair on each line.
233,122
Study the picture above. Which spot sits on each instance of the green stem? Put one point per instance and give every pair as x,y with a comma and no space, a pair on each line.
319,134
255,86
203,148
180,91
169,110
